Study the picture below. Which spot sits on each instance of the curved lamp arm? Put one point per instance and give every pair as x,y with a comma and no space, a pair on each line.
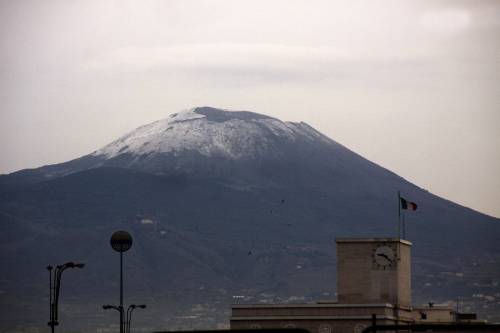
57,282
129,315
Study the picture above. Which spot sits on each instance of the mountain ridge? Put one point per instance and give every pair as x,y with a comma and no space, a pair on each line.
98,158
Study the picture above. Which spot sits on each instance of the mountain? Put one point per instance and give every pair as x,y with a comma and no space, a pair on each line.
224,207
202,142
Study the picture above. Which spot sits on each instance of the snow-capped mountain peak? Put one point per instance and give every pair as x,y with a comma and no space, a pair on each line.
210,132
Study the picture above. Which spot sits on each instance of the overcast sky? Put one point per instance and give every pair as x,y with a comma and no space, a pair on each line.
411,85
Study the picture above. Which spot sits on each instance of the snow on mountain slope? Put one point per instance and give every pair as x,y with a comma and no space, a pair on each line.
211,132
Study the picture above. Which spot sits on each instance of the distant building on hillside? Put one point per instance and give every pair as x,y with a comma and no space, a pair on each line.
374,277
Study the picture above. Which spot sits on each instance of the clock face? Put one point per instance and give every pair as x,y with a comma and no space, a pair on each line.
384,257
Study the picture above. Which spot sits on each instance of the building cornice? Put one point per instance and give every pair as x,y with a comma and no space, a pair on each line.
379,317
311,305
372,240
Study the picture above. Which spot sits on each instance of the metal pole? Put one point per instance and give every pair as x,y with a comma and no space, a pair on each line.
51,300
121,292
374,323
55,288
399,226
404,227
127,314
53,319
129,320
399,214
50,293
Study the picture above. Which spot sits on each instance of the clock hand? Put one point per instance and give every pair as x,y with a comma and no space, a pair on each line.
383,255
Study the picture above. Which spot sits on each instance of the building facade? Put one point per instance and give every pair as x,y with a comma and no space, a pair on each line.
373,278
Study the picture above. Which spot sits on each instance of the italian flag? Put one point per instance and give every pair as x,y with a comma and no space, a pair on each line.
405,204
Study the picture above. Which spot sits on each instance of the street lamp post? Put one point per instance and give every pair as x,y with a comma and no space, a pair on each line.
130,309
117,308
121,241
128,316
54,287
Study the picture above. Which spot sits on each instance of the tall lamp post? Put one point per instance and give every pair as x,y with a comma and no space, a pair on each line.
121,241
54,287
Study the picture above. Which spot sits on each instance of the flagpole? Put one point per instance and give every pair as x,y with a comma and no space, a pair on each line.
404,226
399,215
399,226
